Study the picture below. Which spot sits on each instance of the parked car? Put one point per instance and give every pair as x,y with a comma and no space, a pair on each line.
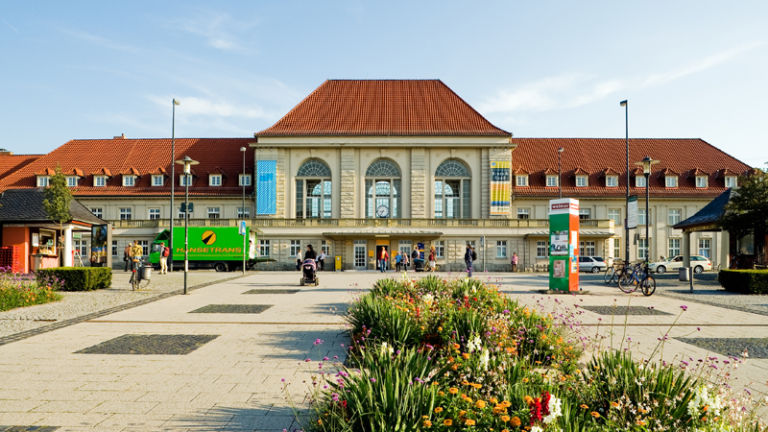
594,264
698,262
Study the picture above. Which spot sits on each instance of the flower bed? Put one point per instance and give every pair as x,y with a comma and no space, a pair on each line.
17,290
459,355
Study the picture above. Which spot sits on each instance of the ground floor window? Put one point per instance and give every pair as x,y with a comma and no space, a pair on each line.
325,247
440,249
705,247
144,247
114,247
405,247
295,248
674,247
501,248
616,248
642,248
542,249
587,248
264,248
360,253
81,248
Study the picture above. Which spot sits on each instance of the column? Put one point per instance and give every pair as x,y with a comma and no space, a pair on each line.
68,246
348,181
418,183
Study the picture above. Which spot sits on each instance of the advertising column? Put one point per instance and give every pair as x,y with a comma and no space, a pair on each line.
564,245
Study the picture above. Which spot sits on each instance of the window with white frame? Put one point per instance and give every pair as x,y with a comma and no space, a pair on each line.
325,247
521,179
702,181
614,214
72,181
154,213
185,179
214,180
501,248
129,180
440,249
642,248
243,212
114,247
705,247
587,248
158,179
670,181
674,216
616,248
542,249
264,248
405,247
585,213
551,180
144,247
98,212
80,247
641,219
640,181
523,213
180,213
674,247
244,180
214,212
731,182
295,248
582,180
125,213
42,181
611,181
99,181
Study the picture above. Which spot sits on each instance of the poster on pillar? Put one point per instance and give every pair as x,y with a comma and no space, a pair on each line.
266,187
564,244
500,187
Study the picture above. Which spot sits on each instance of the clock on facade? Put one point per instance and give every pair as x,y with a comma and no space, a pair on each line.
382,211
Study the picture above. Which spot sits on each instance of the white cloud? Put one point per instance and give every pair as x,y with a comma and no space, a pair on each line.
99,40
204,107
219,30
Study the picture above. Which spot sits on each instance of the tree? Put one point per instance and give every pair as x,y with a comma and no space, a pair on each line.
57,200
747,210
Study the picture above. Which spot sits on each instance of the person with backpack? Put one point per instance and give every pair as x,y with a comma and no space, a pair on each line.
165,251
469,256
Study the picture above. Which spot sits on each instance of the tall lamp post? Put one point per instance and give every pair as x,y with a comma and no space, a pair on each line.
625,104
647,164
242,212
174,102
560,171
187,162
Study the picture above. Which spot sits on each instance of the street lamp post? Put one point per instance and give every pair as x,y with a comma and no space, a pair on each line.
174,102
560,172
625,104
187,162
242,212
647,164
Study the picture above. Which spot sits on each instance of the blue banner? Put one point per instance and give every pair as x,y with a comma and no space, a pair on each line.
266,187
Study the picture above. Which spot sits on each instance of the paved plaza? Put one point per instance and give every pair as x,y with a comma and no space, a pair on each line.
215,360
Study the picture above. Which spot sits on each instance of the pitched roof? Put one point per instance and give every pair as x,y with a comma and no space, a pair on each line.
26,205
709,214
140,157
383,108
9,162
596,155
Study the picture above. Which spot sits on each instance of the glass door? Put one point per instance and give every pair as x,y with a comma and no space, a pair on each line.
361,254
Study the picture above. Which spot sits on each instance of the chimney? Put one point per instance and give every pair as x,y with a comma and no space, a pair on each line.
121,136
5,152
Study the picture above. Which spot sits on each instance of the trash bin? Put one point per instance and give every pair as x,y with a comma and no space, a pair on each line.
146,272
684,273
337,263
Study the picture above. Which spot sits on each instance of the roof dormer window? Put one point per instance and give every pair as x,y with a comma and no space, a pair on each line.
214,180
731,181
185,180
42,180
702,181
670,181
72,181
129,180
158,179
99,180
611,180
551,180
521,180
582,180
640,181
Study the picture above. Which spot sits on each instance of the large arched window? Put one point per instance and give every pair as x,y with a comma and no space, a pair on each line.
313,190
452,190
382,185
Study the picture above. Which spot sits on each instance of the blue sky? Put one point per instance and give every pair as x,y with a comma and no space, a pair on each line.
88,69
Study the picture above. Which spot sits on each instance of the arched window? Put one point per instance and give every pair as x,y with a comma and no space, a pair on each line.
313,190
382,185
452,190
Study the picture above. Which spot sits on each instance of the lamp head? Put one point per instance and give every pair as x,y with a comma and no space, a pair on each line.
647,164
560,150
623,103
176,102
187,162
242,149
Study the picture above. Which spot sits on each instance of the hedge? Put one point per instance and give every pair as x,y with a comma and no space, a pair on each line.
78,278
744,281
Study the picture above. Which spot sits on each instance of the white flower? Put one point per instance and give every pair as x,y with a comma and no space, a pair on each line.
555,410
386,349
474,344
536,429
428,298
485,358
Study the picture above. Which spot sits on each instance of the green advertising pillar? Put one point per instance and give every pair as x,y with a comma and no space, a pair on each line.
564,245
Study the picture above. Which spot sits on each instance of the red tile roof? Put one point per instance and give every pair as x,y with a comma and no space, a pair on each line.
114,157
9,163
383,108
596,155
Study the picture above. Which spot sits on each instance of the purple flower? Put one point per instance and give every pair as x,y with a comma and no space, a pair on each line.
373,380
318,341
684,307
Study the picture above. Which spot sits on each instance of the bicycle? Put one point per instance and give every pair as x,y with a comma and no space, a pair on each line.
614,272
137,273
638,277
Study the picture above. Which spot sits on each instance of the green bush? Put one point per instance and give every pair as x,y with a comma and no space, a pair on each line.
77,278
744,281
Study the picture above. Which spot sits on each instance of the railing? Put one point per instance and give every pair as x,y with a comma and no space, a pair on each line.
362,223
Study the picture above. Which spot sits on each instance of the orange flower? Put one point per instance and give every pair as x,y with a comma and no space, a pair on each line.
595,414
427,423
469,422
447,422
456,346
615,404
584,406
453,390
528,400
438,410
505,418
480,404
465,355
515,421
640,423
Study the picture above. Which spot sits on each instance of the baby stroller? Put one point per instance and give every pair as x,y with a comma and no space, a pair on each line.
418,265
309,273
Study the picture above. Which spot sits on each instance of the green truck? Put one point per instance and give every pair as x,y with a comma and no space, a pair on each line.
220,248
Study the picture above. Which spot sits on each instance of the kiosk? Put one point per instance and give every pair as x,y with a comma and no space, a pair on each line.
564,245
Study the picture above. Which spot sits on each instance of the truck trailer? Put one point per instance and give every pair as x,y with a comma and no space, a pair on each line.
220,248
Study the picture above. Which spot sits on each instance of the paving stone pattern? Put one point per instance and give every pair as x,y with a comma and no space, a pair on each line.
233,308
624,310
272,291
150,344
28,428
757,348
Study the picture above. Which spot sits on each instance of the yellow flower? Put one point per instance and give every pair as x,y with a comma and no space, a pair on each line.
465,355
595,414
447,422
528,400
453,390
456,346
427,423
441,393
480,404
506,404
615,404
505,418
465,382
493,400
584,406
462,413
469,422
515,421
640,423
438,410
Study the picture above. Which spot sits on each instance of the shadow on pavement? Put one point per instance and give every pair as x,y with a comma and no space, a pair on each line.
299,345
260,417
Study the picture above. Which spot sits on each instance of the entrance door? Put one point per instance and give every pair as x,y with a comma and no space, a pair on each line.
361,254
378,254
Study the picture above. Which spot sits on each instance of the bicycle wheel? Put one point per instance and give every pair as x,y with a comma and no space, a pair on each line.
627,283
134,281
610,273
648,285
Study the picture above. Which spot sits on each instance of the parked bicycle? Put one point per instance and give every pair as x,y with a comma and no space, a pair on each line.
637,276
614,272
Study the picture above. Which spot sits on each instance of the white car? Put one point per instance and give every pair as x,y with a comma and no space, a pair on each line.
698,262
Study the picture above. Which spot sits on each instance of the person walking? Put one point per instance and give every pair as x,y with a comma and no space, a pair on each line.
165,251
298,260
383,257
127,256
514,262
321,260
469,257
432,259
